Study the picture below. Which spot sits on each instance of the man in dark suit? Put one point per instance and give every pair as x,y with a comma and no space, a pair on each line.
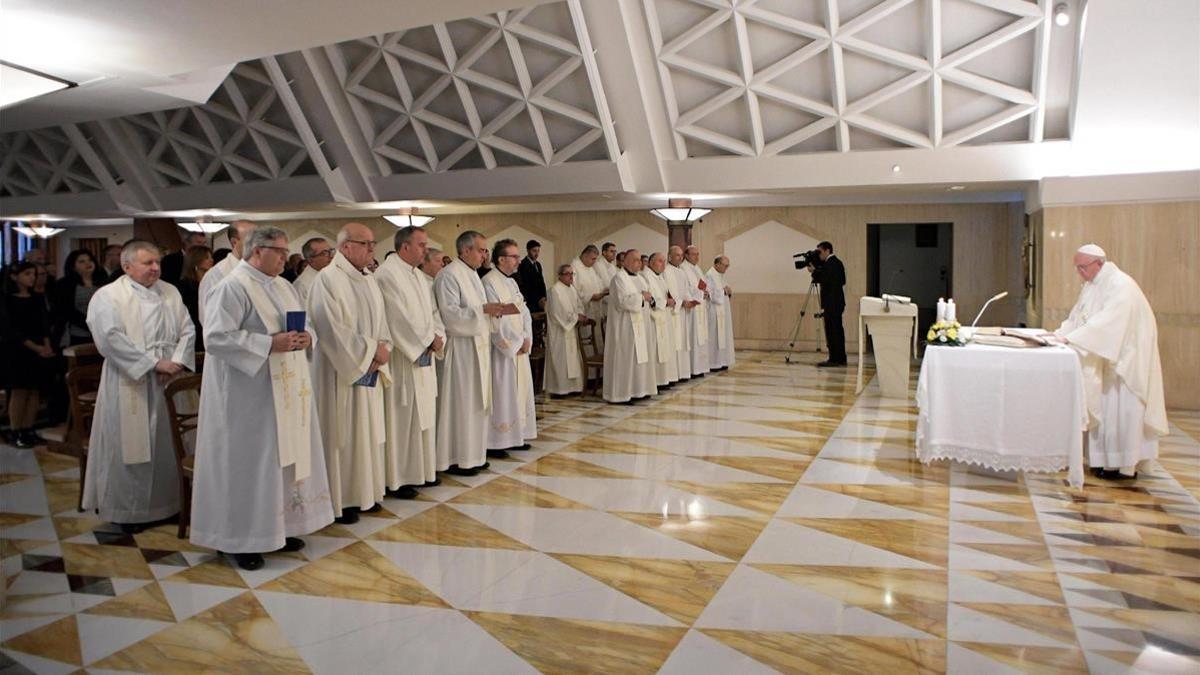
529,277
171,265
831,275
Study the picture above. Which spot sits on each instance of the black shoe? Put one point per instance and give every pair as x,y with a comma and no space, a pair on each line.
374,509
456,470
1098,471
133,528
403,492
30,439
1117,475
20,440
248,561
484,467
498,454
349,517
433,483
291,545
523,446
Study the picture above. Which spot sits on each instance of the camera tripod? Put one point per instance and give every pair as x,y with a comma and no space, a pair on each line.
814,289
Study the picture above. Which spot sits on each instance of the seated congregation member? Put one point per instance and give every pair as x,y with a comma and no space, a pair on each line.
197,261
720,316
260,480
629,371
82,277
564,313
513,418
172,263
666,364
28,356
418,338
350,372
144,333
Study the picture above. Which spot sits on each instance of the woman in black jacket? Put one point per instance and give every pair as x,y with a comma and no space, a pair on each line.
82,277
27,352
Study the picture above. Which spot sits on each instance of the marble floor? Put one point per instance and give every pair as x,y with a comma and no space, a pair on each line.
759,520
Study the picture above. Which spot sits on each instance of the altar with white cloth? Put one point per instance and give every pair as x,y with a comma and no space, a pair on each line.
1003,408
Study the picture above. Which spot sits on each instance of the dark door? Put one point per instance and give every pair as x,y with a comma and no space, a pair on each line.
911,259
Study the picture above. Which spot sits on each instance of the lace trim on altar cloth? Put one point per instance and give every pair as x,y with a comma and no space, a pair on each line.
993,460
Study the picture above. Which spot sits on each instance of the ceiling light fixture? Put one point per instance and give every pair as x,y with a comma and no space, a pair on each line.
1062,15
957,188
203,225
895,168
22,84
408,217
680,210
38,230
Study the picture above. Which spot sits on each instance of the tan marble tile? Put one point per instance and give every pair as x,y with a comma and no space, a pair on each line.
10,547
11,519
1156,538
788,470
764,498
908,470
105,561
1044,585
672,414
214,572
1030,531
596,444
6,478
1124,514
1155,560
931,500
1174,591
916,598
558,465
571,646
1030,554
1050,621
504,491
69,526
147,602
357,572
1046,660
58,641
924,540
335,530
822,428
681,589
163,538
1125,533
803,653
62,494
53,462
445,526
235,636
729,536
1179,626
1144,661
801,446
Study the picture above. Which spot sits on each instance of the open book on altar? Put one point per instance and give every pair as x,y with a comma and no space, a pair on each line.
1012,337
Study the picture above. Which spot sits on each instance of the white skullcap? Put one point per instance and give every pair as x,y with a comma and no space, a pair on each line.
1092,250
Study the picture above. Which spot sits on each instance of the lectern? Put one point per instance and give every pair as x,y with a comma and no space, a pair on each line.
893,326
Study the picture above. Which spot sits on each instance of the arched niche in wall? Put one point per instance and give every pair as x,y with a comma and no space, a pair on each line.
761,259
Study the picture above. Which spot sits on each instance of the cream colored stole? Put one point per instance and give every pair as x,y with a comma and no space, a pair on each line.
474,295
638,320
424,379
722,310
291,386
676,311
701,315
524,374
659,315
134,403
564,294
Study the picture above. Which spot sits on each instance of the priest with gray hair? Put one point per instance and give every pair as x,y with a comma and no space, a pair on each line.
1113,329
260,479
146,337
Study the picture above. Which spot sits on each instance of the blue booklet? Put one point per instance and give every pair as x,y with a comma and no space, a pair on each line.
295,321
425,359
368,380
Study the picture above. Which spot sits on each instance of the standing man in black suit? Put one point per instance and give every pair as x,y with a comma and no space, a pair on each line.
529,277
171,266
831,275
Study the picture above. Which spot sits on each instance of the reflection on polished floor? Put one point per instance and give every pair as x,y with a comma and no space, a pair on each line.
764,519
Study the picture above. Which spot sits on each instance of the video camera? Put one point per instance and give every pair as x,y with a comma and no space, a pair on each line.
806,258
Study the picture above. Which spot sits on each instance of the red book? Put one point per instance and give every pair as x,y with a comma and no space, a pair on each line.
703,285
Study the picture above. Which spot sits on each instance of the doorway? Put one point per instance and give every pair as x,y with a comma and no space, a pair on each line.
914,260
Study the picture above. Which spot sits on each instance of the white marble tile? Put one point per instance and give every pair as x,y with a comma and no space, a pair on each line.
57,603
187,600
848,449
962,533
723,428
828,471
100,636
702,446
959,659
966,588
11,628
39,665
636,495
811,502
698,653
967,625
784,542
346,636
516,582
316,546
20,460
31,582
671,467
963,558
122,586
584,532
41,528
368,524
961,511
25,496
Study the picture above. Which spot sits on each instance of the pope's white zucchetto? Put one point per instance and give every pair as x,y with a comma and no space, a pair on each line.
1092,250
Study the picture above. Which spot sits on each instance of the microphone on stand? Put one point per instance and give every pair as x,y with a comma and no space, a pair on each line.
886,299
995,297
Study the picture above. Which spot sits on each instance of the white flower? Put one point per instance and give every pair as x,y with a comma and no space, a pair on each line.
942,338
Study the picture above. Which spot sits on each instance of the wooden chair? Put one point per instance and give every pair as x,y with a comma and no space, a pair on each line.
181,425
537,351
590,357
83,384
82,355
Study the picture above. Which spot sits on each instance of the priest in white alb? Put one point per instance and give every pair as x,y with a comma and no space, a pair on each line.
318,253
720,316
350,371
591,288
465,381
260,480
513,420
698,293
629,355
607,264
662,323
237,232
1113,329
143,331
417,334
681,314
564,313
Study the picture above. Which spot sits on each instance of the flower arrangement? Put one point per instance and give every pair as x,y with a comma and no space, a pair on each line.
944,333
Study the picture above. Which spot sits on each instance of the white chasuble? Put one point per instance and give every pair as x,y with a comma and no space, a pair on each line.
699,318
662,324
1113,328
212,278
249,493
628,371
131,474
346,309
676,282
513,419
410,402
720,322
465,381
563,365
588,282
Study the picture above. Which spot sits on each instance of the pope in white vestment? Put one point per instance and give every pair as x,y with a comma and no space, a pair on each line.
346,308
662,323
629,355
465,382
417,337
237,233
681,313
513,420
1113,328
720,317
260,465
564,369
143,331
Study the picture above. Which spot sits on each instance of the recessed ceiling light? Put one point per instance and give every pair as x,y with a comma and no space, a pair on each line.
1062,16
956,188
895,168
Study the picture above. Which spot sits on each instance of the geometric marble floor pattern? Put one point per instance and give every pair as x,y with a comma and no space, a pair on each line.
765,519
